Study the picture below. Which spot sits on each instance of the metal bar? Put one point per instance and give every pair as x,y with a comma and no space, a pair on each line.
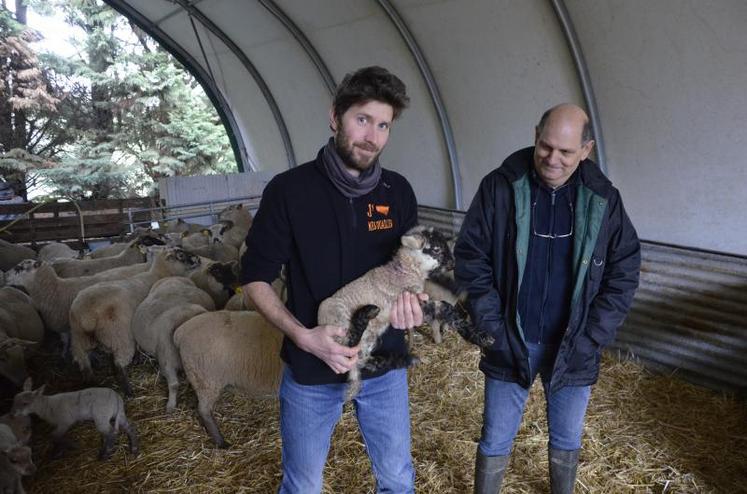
291,26
438,104
583,74
249,66
192,65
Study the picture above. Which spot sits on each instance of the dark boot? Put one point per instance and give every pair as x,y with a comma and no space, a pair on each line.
563,470
489,472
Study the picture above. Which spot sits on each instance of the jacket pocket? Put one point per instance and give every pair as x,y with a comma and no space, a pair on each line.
585,354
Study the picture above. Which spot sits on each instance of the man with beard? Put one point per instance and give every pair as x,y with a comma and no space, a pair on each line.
550,262
329,221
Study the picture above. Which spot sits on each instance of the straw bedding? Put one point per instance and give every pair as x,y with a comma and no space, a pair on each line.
644,433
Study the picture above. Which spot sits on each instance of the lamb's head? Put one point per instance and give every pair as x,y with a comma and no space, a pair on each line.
22,273
19,458
428,249
23,402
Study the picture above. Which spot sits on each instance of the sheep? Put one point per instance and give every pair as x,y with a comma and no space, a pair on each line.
56,250
12,358
102,313
238,215
180,226
18,317
20,425
11,254
225,348
52,296
219,279
441,288
230,234
133,254
170,302
367,301
195,240
217,251
116,248
102,405
240,301
15,461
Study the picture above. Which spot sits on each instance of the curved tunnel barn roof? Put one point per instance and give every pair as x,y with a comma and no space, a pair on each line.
663,82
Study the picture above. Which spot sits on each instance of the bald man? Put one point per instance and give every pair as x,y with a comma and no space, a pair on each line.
550,263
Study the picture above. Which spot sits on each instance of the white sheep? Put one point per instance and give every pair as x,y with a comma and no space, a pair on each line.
117,247
241,301
102,313
56,250
52,296
180,226
11,254
217,251
230,234
103,406
15,461
18,317
195,240
171,302
134,253
225,348
423,252
20,425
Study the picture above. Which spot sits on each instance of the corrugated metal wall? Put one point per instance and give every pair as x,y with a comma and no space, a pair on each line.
689,315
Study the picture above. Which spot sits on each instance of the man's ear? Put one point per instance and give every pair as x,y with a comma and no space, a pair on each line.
587,149
332,120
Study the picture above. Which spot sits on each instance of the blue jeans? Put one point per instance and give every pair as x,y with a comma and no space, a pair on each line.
308,415
504,407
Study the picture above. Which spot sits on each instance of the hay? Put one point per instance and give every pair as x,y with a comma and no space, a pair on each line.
644,433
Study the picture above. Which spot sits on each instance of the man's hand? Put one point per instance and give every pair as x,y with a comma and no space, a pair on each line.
406,312
320,342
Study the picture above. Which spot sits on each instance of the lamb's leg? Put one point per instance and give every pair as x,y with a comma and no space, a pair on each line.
59,443
172,380
206,400
359,322
107,444
458,318
131,435
379,362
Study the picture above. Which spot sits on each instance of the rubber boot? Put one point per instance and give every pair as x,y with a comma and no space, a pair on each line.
563,470
489,472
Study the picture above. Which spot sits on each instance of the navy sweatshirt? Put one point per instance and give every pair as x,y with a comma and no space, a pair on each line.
326,240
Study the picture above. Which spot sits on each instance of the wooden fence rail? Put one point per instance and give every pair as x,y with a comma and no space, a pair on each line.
61,221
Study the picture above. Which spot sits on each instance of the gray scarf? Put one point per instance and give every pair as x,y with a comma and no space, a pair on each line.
347,184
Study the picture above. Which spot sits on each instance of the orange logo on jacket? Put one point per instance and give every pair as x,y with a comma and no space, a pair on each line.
381,224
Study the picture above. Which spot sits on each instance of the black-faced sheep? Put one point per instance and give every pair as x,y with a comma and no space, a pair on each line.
225,348
101,314
103,406
171,302
218,279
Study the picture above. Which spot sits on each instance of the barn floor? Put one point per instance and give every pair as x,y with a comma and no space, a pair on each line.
644,433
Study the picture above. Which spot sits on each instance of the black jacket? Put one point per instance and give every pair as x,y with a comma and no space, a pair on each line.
491,256
325,240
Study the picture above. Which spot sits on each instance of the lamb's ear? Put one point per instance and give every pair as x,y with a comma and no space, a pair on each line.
28,384
413,240
41,389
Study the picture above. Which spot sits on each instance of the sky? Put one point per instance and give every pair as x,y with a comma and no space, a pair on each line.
56,33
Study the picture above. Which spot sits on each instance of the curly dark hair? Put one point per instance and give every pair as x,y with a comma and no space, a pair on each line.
367,84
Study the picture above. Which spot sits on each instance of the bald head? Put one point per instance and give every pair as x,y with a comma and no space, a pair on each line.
562,141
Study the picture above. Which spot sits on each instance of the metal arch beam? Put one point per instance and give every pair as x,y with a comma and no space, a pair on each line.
249,66
191,64
430,81
291,26
583,75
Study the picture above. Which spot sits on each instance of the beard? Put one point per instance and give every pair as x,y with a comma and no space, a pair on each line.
345,148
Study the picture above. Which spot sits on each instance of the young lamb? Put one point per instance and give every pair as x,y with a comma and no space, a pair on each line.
15,461
102,405
20,426
56,250
225,348
133,254
102,313
171,302
424,252
443,288
11,254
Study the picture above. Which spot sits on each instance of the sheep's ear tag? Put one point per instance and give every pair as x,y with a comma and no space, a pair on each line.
238,290
142,248
206,232
413,241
